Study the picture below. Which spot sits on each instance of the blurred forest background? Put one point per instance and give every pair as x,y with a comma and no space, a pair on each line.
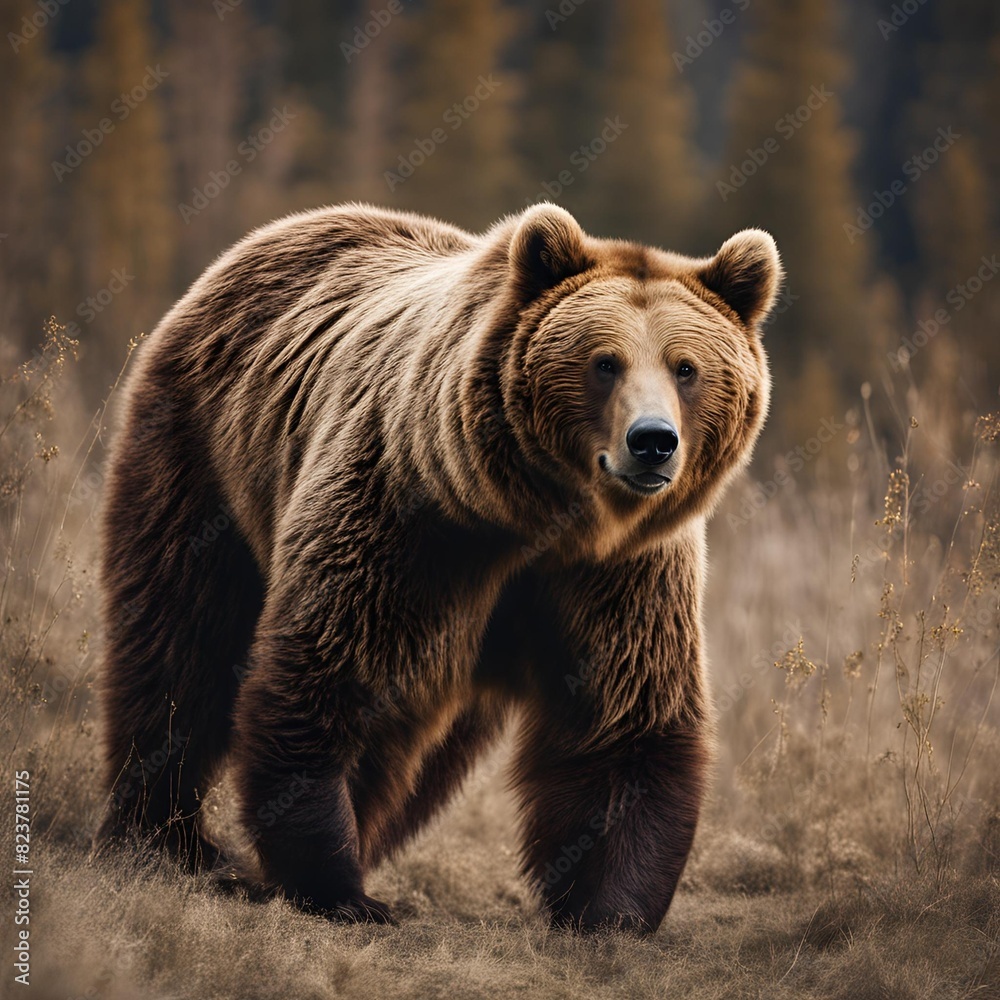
850,845
671,123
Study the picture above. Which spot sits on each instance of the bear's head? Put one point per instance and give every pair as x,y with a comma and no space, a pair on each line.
637,376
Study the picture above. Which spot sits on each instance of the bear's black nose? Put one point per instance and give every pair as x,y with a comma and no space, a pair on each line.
651,440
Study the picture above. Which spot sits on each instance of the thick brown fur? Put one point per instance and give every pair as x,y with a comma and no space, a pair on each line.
372,498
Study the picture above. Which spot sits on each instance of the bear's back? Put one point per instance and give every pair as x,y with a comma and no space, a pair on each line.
318,324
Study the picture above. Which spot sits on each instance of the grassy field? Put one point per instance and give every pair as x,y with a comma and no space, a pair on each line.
851,844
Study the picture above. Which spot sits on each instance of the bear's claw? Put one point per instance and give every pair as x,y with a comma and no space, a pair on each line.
362,910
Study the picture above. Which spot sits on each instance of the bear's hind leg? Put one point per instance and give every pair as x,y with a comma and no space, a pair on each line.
181,601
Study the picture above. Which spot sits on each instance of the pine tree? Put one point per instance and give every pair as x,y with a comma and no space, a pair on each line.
788,170
371,113
559,114
124,208
330,61
649,175
33,270
453,152
953,204
207,56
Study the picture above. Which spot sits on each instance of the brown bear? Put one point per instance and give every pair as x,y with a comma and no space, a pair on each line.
384,485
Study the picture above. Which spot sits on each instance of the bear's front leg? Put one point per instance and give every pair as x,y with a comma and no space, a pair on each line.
607,831
295,750
616,742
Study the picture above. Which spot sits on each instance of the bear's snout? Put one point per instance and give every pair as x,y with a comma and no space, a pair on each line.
651,440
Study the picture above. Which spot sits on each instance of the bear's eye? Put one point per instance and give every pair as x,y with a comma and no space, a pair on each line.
685,371
607,364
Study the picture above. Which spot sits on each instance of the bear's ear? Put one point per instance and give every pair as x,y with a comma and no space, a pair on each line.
745,274
547,247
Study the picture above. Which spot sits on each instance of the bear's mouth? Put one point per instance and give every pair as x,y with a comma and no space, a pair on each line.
646,482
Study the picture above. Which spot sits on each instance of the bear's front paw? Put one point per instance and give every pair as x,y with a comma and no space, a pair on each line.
360,910
595,921
236,878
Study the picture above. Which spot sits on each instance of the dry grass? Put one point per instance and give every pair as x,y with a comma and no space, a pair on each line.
851,846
